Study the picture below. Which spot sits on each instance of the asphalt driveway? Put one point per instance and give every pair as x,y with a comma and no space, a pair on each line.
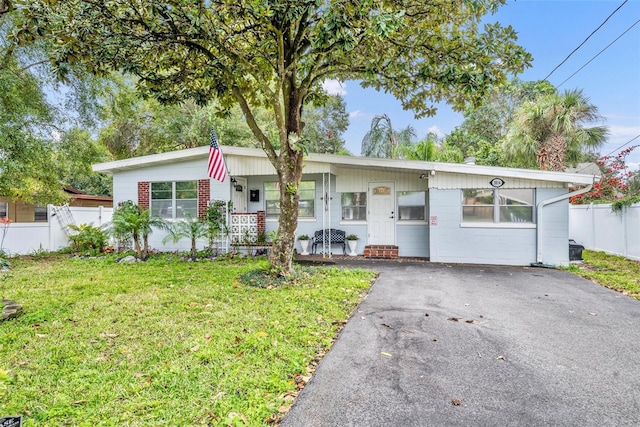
437,345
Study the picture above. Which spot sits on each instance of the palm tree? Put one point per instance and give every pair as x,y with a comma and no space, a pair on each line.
131,222
189,227
382,141
550,132
426,150
147,223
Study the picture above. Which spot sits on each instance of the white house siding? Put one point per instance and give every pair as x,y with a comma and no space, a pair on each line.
356,179
413,239
125,187
446,180
475,245
554,226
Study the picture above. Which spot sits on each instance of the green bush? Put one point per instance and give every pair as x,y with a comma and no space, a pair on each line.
89,238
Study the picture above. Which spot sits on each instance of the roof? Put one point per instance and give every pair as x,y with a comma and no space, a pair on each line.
80,195
350,161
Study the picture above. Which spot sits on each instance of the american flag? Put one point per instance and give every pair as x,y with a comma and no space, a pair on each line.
216,167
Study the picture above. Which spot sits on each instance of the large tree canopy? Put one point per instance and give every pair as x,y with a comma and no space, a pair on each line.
276,54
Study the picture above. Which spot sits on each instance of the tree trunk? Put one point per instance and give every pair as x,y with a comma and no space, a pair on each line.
289,167
290,174
557,152
194,249
136,245
145,246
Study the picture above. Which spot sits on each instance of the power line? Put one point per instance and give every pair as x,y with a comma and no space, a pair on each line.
624,145
585,40
598,54
608,154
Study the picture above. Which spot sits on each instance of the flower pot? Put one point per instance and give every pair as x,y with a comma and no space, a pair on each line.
352,247
304,244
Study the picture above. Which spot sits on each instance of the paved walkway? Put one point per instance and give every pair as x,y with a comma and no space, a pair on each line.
437,345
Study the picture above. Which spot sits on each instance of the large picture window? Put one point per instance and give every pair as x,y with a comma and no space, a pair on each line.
171,200
497,205
306,204
412,205
354,206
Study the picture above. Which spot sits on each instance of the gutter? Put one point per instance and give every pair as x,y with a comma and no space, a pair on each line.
541,205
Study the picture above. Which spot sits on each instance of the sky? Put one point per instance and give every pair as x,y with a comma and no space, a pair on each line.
550,30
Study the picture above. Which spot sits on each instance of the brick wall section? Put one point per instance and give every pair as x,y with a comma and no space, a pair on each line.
381,251
204,194
144,193
262,222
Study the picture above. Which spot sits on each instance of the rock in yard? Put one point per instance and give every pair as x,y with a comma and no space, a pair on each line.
10,309
129,258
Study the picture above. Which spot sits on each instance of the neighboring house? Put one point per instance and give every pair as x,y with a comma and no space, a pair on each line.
19,211
455,213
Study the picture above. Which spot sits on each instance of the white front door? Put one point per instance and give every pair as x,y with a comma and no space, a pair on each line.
239,195
381,216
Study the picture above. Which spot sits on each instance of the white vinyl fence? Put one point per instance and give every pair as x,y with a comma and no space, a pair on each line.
596,227
23,238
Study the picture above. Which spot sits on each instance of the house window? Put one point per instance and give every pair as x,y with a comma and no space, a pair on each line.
497,205
306,205
354,206
176,199
39,213
412,205
4,209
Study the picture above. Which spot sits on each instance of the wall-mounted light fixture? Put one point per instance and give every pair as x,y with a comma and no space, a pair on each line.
423,175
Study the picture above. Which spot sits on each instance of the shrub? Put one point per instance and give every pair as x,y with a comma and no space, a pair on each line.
89,238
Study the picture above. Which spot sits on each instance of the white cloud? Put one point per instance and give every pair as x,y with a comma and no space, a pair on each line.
623,131
356,114
435,129
334,87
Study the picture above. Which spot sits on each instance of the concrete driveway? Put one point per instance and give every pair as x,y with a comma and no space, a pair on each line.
437,345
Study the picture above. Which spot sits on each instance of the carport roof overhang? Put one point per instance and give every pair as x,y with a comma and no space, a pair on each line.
332,161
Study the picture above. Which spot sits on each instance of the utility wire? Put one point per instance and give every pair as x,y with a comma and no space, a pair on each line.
624,145
598,54
585,40
608,154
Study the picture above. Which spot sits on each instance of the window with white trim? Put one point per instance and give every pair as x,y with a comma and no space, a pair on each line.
170,200
306,204
412,205
498,205
354,206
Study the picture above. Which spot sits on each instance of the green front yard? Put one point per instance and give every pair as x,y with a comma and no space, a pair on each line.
615,272
164,342
175,343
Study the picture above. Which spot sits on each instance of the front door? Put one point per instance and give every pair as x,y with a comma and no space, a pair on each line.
381,216
239,198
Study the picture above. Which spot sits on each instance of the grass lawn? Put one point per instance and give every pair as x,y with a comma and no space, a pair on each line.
611,271
164,342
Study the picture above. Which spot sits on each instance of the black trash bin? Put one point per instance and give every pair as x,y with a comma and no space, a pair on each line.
575,251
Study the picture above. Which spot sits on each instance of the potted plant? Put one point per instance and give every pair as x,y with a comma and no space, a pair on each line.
352,240
304,243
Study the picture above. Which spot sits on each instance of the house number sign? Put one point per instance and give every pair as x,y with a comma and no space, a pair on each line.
496,182
382,191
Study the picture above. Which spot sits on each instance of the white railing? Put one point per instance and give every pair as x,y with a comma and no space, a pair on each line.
23,238
597,228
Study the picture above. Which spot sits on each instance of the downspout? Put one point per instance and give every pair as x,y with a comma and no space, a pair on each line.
544,203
